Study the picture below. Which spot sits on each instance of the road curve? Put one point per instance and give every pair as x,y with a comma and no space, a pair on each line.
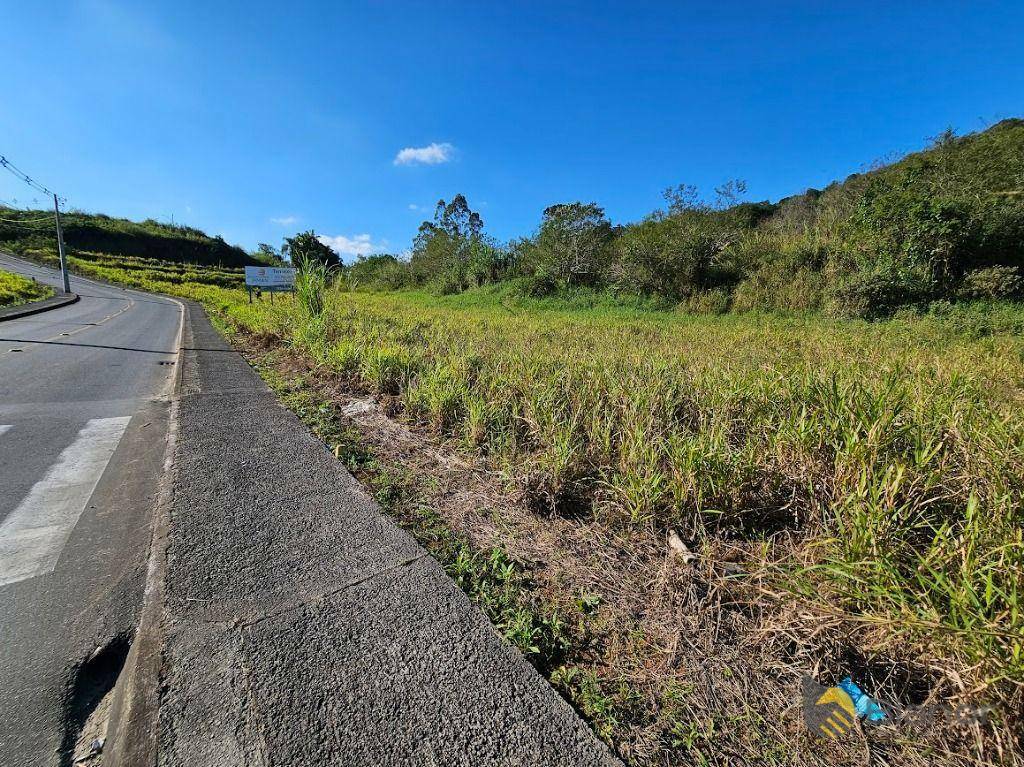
83,418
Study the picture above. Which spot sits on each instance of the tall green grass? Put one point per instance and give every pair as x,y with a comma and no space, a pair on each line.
889,456
880,464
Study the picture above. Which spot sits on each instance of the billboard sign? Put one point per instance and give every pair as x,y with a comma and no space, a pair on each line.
270,277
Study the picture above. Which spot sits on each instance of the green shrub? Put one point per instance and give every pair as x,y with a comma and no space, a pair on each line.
571,247
874,295
669,256
994,282
380,271
714,301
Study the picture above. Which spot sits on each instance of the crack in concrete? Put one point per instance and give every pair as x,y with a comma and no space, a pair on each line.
244,623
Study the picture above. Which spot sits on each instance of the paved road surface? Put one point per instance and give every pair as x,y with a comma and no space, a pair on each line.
83,415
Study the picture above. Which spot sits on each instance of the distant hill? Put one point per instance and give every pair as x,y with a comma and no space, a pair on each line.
989,163
98,233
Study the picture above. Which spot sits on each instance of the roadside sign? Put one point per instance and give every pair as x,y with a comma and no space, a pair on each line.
270,278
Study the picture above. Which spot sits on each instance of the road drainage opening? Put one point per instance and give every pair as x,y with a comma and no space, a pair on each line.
88,705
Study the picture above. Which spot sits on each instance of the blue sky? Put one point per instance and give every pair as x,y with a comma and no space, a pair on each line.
257,119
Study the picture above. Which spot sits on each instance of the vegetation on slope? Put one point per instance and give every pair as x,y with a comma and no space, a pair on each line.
944,224
850,490
15,290
25,231
866,470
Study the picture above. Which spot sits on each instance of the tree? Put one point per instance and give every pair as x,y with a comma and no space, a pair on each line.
267,254
571,246
730,193
451,251
305,247
683,197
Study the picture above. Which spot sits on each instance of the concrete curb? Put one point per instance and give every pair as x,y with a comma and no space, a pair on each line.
26,310
133,727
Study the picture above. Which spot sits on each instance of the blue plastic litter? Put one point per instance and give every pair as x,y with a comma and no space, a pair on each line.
866,707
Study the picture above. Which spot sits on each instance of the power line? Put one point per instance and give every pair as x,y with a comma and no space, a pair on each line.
20,174
14,170
47,220
23,206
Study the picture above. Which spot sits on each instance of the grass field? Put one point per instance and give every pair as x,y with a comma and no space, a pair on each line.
863,481
893,452
15,290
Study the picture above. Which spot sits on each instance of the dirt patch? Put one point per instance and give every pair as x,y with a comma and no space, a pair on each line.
678,655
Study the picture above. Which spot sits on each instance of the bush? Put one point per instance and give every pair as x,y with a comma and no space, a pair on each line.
714,301
383,271
875,295
669,256
571,248
994,282
772,288
783,271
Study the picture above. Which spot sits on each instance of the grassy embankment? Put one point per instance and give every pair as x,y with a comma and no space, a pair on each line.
16,290
851,491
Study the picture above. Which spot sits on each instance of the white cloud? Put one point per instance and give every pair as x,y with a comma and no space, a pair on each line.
413,206
357,245
432,154
284,220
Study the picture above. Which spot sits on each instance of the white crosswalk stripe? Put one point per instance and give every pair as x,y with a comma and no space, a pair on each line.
34,534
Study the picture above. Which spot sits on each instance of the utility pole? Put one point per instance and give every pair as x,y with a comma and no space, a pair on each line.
60,247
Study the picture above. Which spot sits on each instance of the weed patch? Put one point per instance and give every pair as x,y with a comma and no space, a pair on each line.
16,290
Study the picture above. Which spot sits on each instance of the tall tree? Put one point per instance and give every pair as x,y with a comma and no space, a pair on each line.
572,244
451,251
305,247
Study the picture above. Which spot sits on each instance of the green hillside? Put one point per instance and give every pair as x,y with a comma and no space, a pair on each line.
33,232
944,223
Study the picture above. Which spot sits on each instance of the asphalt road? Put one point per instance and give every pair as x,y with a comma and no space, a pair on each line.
84,395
